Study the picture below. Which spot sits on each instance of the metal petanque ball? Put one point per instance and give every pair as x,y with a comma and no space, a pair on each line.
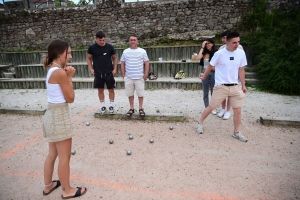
171,127
151,140
111,141
73,151
128,152
130,137
87,123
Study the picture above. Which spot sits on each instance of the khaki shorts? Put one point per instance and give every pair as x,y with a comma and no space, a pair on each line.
134,84
234,93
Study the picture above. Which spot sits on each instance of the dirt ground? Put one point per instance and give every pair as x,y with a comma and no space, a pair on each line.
180,164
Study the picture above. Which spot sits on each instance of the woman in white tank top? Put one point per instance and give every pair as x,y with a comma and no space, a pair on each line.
57,125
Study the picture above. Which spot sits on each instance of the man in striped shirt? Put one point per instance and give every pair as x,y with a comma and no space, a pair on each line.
135,69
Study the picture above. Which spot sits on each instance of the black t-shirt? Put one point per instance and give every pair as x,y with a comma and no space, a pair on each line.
102,61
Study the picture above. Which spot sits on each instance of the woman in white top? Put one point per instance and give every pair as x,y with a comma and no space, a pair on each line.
57,126
206,52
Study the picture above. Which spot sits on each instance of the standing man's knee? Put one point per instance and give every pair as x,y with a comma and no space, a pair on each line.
100,90
237,110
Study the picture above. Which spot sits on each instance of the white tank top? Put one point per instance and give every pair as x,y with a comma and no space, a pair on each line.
205,64
54,92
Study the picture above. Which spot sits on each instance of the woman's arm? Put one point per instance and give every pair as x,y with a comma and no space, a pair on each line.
64,79
200,55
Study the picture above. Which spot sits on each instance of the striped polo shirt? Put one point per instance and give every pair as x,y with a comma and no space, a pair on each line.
134,62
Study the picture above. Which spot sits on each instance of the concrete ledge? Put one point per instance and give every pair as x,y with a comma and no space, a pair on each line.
23,111
80,83
151,117
252,81
286,121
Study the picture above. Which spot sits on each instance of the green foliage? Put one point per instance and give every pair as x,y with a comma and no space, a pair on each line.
172,42
6,20
71,3
79,48
25,12
274,36
57,3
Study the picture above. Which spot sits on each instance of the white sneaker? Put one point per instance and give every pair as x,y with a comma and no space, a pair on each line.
199,128
226,115
214,112
239,136
221,113
103,110
111,110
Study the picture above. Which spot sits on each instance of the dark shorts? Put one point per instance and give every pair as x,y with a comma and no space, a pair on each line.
103,79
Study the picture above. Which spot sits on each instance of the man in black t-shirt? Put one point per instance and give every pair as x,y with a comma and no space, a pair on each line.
102,62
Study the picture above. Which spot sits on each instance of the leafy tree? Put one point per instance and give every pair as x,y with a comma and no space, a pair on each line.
274,35
71,3
57,3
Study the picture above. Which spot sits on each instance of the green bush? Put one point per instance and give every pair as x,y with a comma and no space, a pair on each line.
275,39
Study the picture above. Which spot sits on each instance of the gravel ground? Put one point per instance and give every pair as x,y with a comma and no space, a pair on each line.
180,164
189,103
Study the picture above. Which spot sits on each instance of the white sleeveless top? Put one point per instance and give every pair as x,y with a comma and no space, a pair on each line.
54,92
205,61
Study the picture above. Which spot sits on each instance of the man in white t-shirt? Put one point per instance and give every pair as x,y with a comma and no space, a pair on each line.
135,69
229,65
225,111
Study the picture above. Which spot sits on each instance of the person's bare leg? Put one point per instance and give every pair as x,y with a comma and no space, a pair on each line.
237,119
223,110
111,94
64,155
141,100
205,113
101,94
228,105
131,102
224,103
49,167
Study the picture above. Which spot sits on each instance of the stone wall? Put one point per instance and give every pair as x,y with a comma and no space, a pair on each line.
151,21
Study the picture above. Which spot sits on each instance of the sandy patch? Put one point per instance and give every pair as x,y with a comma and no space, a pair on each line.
180,164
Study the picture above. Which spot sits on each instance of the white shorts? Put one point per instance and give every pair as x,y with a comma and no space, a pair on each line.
134,84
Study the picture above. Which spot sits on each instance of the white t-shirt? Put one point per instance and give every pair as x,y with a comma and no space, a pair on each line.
134,62
227,65
224,45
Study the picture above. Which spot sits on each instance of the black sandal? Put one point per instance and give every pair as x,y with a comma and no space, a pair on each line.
57,185
130,112
77,194
142,112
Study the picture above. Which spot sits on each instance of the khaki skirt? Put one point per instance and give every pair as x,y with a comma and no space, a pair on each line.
57,122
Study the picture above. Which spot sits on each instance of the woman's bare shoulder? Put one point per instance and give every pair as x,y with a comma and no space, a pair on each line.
59,73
